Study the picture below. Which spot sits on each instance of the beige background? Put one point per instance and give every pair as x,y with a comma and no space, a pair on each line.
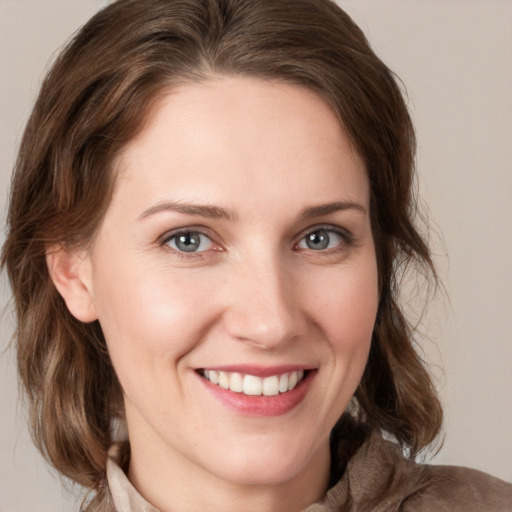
456,59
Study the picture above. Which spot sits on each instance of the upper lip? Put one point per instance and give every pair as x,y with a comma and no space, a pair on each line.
260,371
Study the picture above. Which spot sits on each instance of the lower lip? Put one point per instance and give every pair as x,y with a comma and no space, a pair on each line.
275,405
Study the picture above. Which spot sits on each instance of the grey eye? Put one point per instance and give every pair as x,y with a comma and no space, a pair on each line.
320,240
190,241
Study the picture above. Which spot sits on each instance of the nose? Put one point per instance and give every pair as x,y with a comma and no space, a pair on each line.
264,308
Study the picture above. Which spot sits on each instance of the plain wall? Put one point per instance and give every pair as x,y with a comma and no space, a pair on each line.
455,58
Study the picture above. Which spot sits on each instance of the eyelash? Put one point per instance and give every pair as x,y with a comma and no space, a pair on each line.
346,241
173,235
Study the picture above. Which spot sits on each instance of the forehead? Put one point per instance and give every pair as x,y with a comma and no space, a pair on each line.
263,136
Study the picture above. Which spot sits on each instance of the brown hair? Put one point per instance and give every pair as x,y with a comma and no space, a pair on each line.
93,102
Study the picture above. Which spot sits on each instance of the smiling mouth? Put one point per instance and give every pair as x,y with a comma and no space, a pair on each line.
252,385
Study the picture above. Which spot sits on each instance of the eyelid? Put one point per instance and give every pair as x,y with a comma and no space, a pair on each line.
345,233
202,230
347,237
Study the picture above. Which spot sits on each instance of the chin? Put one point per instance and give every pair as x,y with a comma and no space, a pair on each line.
270,463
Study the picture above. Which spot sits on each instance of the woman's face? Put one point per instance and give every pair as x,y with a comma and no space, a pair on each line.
236,253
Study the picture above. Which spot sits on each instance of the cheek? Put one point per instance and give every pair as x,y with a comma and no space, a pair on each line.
348,308
151,317
345,313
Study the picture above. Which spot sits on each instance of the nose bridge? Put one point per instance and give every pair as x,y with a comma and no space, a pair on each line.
263,308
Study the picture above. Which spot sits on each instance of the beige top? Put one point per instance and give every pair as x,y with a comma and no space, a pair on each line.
377,479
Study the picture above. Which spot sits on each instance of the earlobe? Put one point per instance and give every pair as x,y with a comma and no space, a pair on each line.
70,272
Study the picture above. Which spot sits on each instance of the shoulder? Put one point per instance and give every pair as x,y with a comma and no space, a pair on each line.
378,477
460,489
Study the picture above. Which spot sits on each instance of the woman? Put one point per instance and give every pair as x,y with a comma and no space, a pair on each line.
210,210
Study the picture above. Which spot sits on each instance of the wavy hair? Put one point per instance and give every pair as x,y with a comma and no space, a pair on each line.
94,101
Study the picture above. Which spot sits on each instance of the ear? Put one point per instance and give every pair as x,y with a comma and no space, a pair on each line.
71,272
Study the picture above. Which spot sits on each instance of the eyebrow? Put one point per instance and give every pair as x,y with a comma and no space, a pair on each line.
196,210
216,212
326,209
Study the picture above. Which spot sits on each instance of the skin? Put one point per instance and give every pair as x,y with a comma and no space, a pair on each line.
255,293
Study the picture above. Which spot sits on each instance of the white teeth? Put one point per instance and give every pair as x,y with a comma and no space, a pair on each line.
224,380
252,385
292,381
283,383
236,383
271,386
